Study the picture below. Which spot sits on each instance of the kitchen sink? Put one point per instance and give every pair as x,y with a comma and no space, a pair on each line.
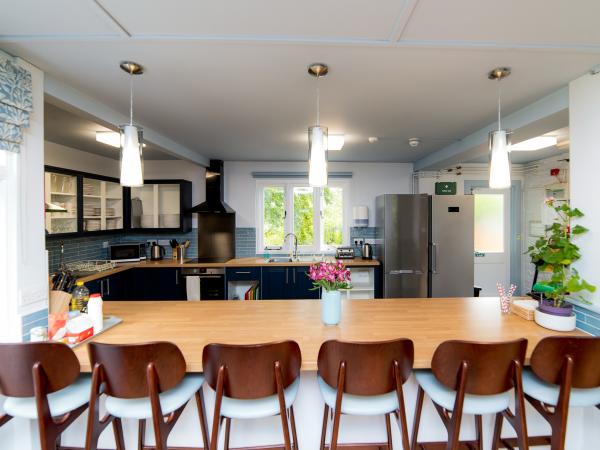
299,258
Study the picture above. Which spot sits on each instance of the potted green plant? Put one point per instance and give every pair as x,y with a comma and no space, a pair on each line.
555,252
330,278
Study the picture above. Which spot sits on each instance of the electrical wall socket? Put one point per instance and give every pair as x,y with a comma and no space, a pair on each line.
164,242
358,242
105,244
149,242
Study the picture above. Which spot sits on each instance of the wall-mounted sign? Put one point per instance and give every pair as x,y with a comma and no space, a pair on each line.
445,188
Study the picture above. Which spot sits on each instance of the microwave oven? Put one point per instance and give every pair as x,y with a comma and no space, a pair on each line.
133,252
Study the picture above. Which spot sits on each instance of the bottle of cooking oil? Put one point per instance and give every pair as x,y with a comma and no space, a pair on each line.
79,297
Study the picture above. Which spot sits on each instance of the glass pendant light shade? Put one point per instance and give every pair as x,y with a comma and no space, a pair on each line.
317,156
132,169
499,159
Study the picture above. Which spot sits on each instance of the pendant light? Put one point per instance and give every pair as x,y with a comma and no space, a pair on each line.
317,138
499,141
132,165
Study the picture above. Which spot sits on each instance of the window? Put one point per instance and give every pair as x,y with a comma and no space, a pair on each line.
315,215
489,223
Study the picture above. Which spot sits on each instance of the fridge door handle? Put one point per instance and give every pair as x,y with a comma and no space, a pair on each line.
401,272
434,257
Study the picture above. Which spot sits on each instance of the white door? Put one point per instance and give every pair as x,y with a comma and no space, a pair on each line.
492,239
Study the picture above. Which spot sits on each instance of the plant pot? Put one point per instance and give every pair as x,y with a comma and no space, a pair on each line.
555,322
548,307
331,307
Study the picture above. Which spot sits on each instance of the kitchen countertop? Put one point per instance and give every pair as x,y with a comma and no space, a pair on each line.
428,322
237,262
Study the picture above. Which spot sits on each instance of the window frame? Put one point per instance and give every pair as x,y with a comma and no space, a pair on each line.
288,186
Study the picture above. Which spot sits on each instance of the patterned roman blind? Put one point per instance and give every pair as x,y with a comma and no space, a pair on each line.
15,104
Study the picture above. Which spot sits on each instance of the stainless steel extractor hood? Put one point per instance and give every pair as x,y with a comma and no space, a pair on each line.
215,203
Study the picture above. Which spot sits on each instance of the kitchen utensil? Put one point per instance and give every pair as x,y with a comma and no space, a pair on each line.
181,253
156,252
367,251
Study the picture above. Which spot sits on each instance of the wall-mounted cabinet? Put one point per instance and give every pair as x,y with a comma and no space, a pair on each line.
161,205
97,204
60,189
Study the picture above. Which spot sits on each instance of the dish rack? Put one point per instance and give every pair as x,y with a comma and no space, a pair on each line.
91,266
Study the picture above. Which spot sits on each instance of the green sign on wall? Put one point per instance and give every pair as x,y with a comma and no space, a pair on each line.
445,188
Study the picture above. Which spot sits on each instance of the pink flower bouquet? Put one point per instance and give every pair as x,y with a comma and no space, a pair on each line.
330,276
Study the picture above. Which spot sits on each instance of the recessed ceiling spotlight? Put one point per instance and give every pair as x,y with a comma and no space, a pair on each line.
414,141
373,139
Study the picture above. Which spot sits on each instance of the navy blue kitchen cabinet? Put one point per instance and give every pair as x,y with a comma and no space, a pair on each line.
157,284
303,284
243,273
287,283
112,287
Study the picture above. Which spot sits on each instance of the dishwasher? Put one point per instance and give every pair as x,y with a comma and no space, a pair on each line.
204,283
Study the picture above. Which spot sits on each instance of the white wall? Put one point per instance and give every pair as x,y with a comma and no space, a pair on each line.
584,121
368,181
70,158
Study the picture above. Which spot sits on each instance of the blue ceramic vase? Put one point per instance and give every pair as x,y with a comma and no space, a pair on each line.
331,307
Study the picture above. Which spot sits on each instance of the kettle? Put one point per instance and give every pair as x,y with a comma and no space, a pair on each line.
156,252
367,251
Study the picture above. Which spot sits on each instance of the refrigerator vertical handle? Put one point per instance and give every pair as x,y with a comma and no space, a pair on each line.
434,257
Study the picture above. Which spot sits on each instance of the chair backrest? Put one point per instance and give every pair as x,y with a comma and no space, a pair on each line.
59,364
250,369
125,367
549,356
369,365
490,366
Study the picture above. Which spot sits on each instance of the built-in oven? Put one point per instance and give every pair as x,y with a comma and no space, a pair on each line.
131,252
204,283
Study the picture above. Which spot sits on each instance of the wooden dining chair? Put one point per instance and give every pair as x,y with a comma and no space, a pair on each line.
141,382
41,380
564,372
253,382
364,378
474,378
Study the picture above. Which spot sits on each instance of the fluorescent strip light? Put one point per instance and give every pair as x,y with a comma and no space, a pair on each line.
536,143
109,138
335,142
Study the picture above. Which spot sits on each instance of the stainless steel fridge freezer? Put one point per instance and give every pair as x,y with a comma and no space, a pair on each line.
425,244
402,223
452,246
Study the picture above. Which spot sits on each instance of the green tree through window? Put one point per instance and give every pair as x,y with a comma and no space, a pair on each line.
333,215
274,215
304,215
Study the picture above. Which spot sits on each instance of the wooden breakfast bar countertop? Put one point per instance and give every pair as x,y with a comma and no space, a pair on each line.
428,322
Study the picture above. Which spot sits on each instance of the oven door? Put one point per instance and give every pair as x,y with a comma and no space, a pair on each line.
212,287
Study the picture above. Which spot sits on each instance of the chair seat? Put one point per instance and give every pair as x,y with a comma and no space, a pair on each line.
60,402
359,405
258,408
474,404
548,393
140,408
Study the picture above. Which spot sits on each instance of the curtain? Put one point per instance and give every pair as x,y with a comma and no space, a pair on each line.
15,104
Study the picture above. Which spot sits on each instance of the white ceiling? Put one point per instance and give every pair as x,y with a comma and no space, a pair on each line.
228,78
71,129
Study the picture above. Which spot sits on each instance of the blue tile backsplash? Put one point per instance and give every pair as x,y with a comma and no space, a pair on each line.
588,320
35,319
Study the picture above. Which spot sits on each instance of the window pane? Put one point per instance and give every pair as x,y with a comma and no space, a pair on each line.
333,215
489,223
274,215
303,215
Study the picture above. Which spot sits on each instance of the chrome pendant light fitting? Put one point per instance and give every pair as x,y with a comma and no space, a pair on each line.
132,165
317,137
499,140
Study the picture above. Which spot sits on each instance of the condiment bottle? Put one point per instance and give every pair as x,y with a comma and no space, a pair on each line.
94,311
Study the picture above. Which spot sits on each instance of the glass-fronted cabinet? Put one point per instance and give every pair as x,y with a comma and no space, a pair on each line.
161,205
102,205
60,191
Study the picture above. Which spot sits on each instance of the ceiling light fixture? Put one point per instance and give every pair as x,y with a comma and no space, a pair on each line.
373,139
132,166
335,142
414,142
111,138
499,141
317,138
536,143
